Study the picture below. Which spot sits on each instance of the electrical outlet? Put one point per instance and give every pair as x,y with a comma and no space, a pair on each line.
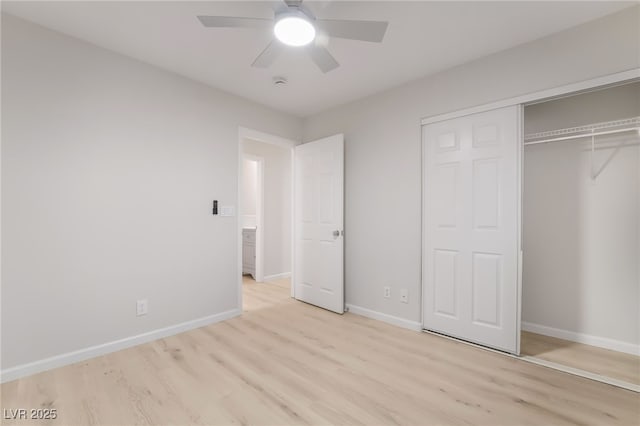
387,292
142,307
404,295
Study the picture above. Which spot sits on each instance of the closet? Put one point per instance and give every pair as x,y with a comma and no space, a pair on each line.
531,230
581,233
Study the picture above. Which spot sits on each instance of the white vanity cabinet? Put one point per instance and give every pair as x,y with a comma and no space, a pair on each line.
249,251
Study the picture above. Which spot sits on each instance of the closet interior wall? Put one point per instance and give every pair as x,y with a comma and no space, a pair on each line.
581,236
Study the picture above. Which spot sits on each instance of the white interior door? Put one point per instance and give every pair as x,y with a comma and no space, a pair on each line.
319,210
471,235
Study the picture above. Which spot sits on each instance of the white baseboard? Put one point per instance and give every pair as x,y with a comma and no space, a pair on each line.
276,276
587,339
390,319
61,360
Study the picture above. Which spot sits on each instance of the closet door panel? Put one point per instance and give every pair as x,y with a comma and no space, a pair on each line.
445,282
471,196
486,289
446,190
486,194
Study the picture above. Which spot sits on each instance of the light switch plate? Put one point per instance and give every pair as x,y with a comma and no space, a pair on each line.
227,211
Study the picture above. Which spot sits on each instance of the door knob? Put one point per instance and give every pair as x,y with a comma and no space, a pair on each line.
336,234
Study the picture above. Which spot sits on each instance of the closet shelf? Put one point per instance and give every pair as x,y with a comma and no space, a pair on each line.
604,128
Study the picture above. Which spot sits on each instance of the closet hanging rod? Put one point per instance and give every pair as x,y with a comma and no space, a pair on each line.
584,135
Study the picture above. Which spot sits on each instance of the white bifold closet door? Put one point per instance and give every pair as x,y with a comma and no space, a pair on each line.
471,227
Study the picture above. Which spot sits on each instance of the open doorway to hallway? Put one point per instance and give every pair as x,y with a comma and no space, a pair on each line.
265,220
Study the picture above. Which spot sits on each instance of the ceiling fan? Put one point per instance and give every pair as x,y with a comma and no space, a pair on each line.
295,25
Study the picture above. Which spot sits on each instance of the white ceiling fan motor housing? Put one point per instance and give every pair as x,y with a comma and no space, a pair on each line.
294,27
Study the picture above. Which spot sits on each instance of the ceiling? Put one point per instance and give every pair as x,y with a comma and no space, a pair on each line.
422,38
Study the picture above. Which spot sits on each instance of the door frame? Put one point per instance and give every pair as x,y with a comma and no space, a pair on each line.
571,89
245,133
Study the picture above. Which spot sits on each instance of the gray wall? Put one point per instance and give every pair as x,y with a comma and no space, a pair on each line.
383,153
109,168
581,237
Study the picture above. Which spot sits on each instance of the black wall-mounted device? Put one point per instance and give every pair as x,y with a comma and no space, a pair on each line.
215,207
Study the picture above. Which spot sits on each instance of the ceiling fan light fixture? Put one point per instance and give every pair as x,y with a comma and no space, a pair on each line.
294,30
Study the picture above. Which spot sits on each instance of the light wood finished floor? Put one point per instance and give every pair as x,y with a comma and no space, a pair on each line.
258,296
285,362
608,363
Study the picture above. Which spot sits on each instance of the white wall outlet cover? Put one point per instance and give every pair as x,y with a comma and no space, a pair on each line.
142,307
387,292
227,211
404,296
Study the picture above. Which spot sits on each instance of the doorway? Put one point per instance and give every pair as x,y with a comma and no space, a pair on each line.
252,217
265,201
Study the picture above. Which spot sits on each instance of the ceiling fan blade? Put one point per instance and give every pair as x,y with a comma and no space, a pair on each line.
354,30
235,22
323,59
268,55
